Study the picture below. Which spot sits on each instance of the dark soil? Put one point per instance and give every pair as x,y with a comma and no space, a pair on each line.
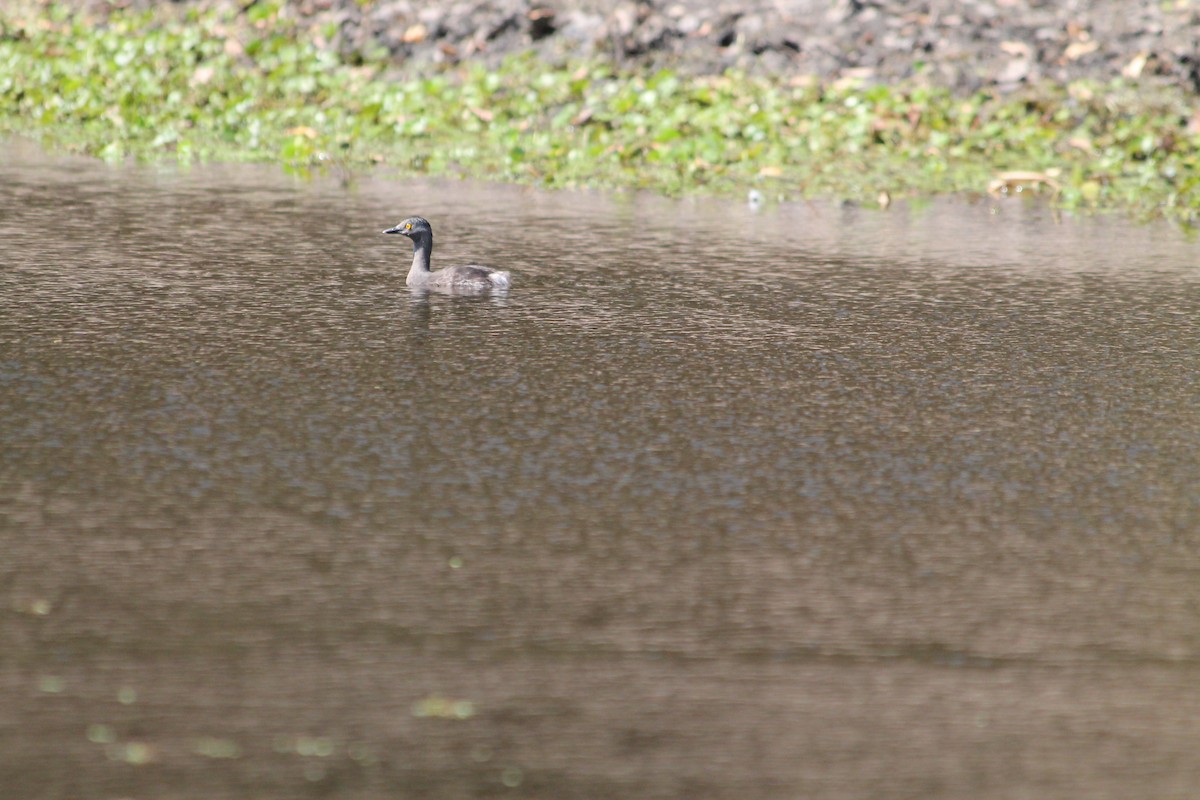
962,45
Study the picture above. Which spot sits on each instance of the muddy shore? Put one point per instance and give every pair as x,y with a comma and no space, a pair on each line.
961,45
842,111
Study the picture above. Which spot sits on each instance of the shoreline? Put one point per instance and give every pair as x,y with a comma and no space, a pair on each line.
223,82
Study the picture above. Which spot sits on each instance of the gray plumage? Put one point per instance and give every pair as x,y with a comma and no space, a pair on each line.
469,276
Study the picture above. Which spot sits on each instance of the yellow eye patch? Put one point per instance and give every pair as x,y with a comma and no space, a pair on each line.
408,226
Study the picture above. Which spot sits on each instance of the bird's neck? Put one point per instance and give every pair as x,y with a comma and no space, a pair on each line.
422,250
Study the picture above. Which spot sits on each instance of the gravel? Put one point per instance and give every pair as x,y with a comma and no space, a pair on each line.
962,45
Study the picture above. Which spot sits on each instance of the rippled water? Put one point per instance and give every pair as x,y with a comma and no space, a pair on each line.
715,503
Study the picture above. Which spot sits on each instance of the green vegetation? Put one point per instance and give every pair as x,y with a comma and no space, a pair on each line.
228,85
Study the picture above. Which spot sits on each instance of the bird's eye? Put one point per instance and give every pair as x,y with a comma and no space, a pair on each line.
408,227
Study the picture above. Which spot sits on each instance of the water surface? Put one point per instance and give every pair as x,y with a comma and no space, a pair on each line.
807,501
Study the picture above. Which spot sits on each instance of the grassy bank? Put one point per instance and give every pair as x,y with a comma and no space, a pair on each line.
255,85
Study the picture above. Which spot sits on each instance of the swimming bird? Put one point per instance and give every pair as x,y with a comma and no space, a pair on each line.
466,277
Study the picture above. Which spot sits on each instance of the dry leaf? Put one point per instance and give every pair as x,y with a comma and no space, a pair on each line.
1018,179
202,75
1019,176
302,130
1077,50
1135,66
415,34
1080,92
1015,71
1019,49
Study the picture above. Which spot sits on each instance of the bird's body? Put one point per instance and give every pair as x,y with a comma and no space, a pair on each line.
469,277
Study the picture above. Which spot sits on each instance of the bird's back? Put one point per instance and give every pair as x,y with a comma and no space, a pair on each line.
469,275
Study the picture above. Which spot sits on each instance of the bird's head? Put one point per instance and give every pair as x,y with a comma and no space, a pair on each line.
413,228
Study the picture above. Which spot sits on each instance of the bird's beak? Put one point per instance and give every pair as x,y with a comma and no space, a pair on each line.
394,230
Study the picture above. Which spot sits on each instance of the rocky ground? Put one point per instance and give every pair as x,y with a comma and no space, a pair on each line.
964,45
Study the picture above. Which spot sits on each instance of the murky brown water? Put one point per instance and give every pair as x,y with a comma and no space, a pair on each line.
803,502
